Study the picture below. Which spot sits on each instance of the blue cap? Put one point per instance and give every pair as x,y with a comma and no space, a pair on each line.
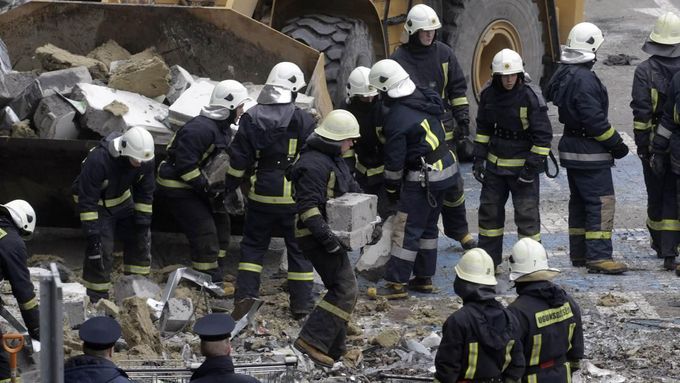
99,333
214,327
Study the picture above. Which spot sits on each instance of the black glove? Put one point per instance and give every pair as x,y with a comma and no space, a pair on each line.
527,175
658,164
393,190
34,333
619,150
376,234
217,203
478,170
465,148
332,245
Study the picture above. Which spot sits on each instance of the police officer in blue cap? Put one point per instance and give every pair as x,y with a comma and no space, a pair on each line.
215,331
99,334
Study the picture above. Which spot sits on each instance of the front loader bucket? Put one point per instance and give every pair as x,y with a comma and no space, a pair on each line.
209,42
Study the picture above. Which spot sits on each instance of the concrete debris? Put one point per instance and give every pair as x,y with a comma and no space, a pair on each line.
354,330
117,108
189,104
373,258
596,372
611,300
135,285
108,52
180,81
352,217
7,119
353,358
431,341
135,320
5,62
54,58
13,83
75,303
146,54
106,307
59,81
417,347
23,129
147,77
43,261
180,312
54,118
142,112
388,338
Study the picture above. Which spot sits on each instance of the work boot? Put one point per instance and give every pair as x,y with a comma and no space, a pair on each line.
468,242
421,285
241,308
313,353
669,263
390,290
606,266
577,261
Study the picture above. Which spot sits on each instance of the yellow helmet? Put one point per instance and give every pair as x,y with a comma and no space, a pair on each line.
476,266
338,125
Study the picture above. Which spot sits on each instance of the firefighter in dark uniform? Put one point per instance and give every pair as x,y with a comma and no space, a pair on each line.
513,139
432,64
114,193
215,332
587,150
269,139
99,336
17,222
550,319
319,175
650,87
481,341
198,206
419,168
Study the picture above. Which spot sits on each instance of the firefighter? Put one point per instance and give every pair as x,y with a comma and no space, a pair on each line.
269,139
419,168
550,319
114,193
215,332
587,150
17,223
481,341
433,65
99,336
650,87
513,139
319,175
198,206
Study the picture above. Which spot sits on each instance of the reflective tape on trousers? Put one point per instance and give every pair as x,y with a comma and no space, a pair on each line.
594,157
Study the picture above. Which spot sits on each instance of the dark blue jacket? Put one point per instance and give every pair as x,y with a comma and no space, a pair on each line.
219,369
513,129
413,130
667,135
582,103
93,369
13,269
268,141
369,147
190,149
112,183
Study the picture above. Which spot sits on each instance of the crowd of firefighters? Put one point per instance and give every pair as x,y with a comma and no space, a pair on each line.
397,135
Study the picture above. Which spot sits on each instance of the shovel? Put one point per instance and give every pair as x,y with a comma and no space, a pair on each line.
8,340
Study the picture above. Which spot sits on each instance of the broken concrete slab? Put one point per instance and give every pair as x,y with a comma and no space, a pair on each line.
180,311
148,77
180,81
75,302
142,111
7,119
351,211
23,129
5,62
189,104
106,307
373,258
48,83
54,58
54,118
388,338
137,327
13,83
108,52
135,285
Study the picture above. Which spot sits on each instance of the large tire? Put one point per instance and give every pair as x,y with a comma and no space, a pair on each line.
345,43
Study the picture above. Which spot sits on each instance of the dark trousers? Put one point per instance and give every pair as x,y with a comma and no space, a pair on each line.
453,211
525,199
208,233
591,214
257,233
326,326
369,186
117,224
414,237
662,211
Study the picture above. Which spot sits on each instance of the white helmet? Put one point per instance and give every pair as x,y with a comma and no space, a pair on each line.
666,30
357,83
421,17
529,262
22,214
388,76
585,37
476,266
136,143
507,61
229,94
338,125
287,75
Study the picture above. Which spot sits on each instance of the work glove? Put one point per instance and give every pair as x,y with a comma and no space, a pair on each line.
376,234
235,203
658,164
217,203
527,175
478,170
465,148
393,191
93,252
334,246
620,150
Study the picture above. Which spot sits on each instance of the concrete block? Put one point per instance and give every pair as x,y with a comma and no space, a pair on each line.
108,52
5,62
351,211
54,118
13,83
180,81
356,239
106,307
7,119
148,77
373,258
135,286
54,58
75,303
189,104
179,314
48,83
142,111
